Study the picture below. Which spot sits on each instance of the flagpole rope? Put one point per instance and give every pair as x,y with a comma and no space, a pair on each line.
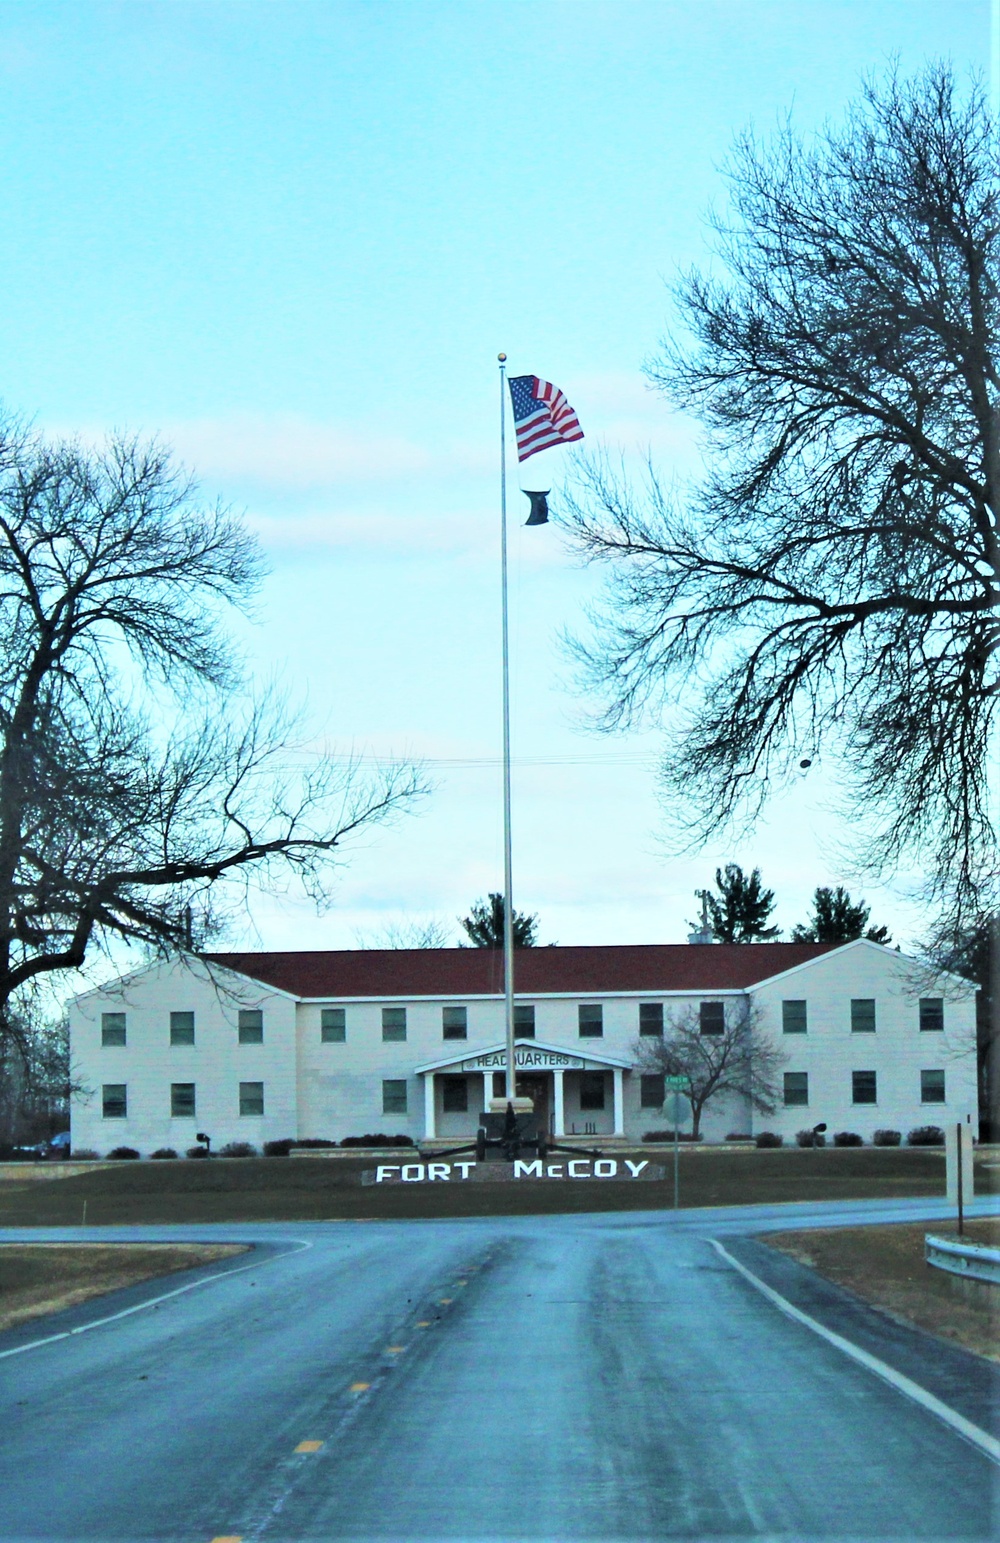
508,907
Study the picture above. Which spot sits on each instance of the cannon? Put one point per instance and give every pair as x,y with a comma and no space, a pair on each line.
503,1137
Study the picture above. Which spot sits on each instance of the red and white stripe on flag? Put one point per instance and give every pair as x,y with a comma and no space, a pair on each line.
553,422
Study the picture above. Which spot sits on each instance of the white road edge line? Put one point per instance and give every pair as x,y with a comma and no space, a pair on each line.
140,1307
986,1443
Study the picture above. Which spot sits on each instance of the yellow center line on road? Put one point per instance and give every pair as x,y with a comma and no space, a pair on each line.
424,1323
461,1283
229,1537
444,1301
394,1349
360,1387
308,1446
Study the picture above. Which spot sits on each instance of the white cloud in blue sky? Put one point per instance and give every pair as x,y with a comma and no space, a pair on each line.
290,239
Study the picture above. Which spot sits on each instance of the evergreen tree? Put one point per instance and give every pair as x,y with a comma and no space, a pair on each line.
484,925
836,919
739,912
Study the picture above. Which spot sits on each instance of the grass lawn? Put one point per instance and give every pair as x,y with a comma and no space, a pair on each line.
291,1189
40,1278
885,1266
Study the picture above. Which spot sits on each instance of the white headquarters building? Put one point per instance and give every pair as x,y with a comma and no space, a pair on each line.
258,1046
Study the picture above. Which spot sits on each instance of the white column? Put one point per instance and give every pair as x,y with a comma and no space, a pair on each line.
559,1108
487,1090
430,1124
619,1102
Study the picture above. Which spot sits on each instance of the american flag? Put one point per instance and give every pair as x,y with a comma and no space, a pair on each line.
542,415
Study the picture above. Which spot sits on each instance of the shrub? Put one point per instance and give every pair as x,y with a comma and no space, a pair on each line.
848,1138
197,1152
321,1141
122,1155
238,1149
376,1140
280,1148
739,1135
769,1138
85,1155
668,1135
886,1138
163,1152
925,1136
810,1138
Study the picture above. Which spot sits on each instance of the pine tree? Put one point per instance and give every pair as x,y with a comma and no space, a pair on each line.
484,925
836,919
739,913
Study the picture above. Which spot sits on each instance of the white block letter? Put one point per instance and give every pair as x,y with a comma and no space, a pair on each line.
464,1168
381,1174
438,1171
604,1168
555,1170
577,1163
636,1168
528,1170
412,1173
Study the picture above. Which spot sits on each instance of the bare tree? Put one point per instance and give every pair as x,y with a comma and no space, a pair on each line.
730,1054
833,583
408,934
141,790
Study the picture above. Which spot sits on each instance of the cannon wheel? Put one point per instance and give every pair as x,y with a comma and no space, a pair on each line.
480,1145
543,1145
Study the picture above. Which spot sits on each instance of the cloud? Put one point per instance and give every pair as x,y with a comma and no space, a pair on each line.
286,453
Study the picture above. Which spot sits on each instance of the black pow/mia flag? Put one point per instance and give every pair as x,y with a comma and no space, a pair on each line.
539,508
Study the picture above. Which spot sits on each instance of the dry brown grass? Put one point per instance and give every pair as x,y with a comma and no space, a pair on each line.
38,1278
885,1266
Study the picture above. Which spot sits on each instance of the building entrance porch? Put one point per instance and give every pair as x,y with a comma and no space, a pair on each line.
572,1094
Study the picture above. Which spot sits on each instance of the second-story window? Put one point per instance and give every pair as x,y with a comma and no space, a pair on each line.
863,1016
591,1019
393,1023
712,1017
251,1026
182,1028
112,1028
454,1023
793,1016
650,1017
524,1020
931,1015
333,1025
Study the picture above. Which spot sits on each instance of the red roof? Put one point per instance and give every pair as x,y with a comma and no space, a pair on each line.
458,972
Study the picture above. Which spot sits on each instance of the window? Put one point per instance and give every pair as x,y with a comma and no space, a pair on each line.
796,1088
394,1094
864,1088
114,1103
393,1028
592,1090
454,1095
182,1028
333,1025
793,1017
932,1087
251,1098
251,1026
651,1090
499,1084
454,1023
931,1015
112,1028
182,1100
524,1021
592,1024
863,1016
650,1017
712,1017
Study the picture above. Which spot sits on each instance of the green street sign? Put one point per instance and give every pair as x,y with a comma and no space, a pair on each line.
676,1082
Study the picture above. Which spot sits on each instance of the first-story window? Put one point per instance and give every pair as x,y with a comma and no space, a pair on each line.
591,1090
182,1100
796,1088
651,1090
251,1026
932,1087
712,1017
650,1017
393,1023
182,1028
591,1020
454,1023
394,1095
112,1028
454,1095
333,1025
251,1098
114,1101
524,1020
864,1088
931,1015
793,1016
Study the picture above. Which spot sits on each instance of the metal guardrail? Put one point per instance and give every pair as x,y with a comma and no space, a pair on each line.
972,1261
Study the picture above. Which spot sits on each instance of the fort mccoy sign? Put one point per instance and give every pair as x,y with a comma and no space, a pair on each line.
504,1173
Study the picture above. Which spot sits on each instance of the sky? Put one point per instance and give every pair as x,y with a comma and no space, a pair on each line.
290,240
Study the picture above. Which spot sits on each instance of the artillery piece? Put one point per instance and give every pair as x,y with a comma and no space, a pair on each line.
503,1137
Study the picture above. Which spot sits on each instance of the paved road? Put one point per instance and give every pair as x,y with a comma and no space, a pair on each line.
577,1377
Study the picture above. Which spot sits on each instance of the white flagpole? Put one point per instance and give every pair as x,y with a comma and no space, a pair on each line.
508,897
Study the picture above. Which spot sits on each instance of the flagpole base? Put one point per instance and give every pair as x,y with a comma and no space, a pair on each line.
521,1105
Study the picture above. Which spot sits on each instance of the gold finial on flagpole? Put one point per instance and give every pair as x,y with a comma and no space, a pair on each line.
502,358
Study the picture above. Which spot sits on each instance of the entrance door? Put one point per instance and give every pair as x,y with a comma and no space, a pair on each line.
535,1085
